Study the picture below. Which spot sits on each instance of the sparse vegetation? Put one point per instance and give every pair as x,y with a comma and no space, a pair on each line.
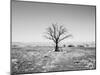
71,46
80,45
30,59
41,59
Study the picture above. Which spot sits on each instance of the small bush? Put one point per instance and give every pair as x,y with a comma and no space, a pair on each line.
71,46
80,46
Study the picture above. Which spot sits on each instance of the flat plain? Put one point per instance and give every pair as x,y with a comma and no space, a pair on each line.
38,59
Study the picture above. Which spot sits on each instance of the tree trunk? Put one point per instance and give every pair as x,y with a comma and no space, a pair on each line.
56,47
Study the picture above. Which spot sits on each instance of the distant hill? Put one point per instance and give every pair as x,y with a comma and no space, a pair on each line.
23,44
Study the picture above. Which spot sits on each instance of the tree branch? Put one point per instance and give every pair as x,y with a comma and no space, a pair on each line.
65,37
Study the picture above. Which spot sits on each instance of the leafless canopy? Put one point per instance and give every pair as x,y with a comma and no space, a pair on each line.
57,33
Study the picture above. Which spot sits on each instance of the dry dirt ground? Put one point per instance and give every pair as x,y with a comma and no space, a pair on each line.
44,59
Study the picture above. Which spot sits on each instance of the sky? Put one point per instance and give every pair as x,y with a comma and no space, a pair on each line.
30,20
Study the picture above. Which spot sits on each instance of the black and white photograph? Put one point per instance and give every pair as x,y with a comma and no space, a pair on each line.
52,37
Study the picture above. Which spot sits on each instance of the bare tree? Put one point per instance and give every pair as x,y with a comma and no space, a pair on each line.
57,34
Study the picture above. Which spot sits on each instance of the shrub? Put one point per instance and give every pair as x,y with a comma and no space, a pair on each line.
80,46
71,46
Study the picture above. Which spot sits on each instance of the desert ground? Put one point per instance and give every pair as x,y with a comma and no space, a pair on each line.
38,59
